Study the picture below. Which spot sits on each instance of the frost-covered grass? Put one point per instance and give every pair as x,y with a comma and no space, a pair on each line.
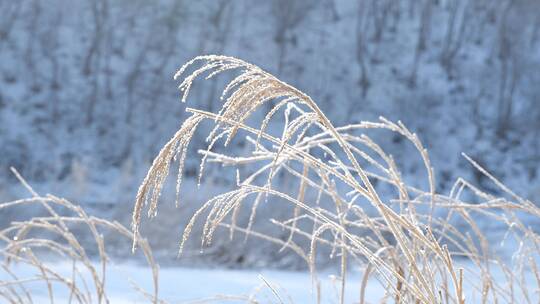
59,58
397,242
411,239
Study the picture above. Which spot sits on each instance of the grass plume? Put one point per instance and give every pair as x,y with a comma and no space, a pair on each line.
414,242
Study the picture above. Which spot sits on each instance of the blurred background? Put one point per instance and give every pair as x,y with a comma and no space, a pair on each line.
87,97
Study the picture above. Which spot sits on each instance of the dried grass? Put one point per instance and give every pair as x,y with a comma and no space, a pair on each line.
56,235
416,240
422,245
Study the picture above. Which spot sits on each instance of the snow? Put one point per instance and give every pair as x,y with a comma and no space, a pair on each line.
181,285
190,284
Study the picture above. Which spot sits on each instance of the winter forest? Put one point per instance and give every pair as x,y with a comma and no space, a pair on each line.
287,151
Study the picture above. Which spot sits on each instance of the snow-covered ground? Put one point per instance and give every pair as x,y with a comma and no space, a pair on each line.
192,284
186,285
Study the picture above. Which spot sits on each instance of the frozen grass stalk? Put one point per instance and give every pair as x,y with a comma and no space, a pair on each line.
423,246
410,245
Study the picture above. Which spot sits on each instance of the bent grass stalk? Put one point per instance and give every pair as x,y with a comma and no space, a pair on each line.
421,248
422,245
34,243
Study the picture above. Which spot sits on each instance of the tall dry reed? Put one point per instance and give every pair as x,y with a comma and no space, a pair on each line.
424,246
31,250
